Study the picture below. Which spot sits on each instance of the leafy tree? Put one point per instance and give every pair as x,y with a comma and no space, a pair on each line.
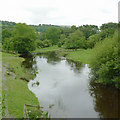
6,34
24,38
105,61
73,27
39,44
47,43
92,40
75,40
8,44
53,34
109,25
62,39
89,30
43,44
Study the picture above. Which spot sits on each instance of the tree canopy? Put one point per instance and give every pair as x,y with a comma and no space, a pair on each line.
22,39
52,34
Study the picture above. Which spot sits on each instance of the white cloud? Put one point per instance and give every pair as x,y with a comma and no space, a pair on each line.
65,12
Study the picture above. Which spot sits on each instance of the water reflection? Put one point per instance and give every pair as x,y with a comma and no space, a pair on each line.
75,66
51,57
30,63
64,84
106,101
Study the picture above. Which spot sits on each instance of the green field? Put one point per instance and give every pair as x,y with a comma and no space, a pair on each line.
15,90
83,56
47,49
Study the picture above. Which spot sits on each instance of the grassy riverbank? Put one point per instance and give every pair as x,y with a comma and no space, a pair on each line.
79,55
15,89
83,56
47,49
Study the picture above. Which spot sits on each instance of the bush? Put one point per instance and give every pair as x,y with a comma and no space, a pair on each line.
105,61
43,44
75,40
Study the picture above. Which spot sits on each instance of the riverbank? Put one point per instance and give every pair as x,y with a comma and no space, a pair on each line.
83,56
47,49
79,55
15,89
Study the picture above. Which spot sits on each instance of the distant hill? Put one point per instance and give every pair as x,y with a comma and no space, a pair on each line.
39,28
7,24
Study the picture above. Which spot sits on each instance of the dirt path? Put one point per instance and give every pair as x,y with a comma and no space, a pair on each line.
5,88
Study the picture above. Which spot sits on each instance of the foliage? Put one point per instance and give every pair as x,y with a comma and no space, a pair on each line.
62,38
109,25
36,112
6,33
43,44
23,45
53,34
75,40
92,40
42,28
8,44
21,39
88,30
8,25
105,61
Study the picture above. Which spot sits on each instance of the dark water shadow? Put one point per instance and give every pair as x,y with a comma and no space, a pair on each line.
106,100
51,57
29,63
75,66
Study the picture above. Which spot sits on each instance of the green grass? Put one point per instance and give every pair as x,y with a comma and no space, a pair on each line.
83,56
47,49
79,55
18,93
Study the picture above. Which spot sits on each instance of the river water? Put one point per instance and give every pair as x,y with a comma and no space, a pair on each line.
65,91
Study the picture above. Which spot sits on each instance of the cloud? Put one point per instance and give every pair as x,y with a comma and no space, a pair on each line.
65,12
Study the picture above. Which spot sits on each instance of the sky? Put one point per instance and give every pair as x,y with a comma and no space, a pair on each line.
59,12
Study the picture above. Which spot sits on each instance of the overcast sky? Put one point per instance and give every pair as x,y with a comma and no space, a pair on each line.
60,12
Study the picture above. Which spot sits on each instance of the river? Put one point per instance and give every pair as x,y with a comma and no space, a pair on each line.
64,89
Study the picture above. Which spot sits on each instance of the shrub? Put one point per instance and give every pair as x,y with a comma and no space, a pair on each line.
105,61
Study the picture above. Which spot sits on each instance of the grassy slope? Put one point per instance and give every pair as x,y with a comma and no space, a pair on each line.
47,49
18,93
80,55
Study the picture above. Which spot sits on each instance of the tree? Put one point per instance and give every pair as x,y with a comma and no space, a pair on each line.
6,34
89,30
105,61
24,38
92,40
109,25
53,34
8,44
75,40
